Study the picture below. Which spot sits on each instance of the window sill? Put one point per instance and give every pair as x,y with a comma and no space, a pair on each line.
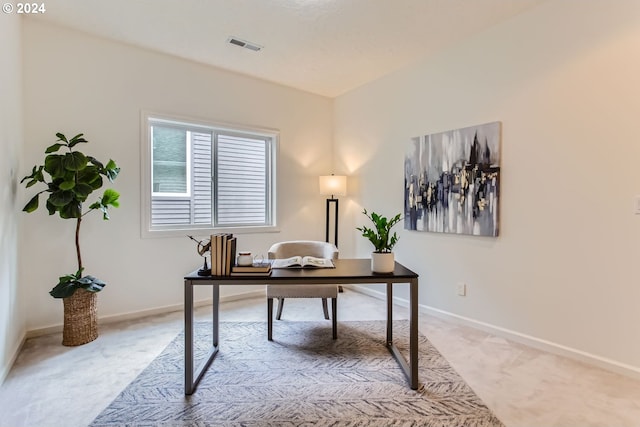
181,232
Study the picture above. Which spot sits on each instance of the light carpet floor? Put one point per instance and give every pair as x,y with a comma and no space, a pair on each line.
301,378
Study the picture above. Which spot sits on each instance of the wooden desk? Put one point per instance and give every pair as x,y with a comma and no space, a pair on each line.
347,271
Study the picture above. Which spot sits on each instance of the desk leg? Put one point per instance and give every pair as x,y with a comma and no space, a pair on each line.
188,337
413,332
410,368
192,378
389,313
216,316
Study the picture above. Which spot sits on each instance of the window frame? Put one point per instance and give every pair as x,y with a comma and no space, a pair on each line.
213,127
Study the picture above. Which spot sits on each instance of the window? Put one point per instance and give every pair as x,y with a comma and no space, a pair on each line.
200,177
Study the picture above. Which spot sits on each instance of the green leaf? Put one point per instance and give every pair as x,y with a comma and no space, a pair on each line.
110,197
88,175
82,191
96,183
51,208
111,170
36,174
91,284
61,137
66,286
26,177
75,161
93,287
39,176
67,185
112,174
95,162
53,148
63,290
104,209
32,205
77,140
71,210
54,166
84,281
61,198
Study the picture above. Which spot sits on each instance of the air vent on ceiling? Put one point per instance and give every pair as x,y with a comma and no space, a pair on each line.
245,44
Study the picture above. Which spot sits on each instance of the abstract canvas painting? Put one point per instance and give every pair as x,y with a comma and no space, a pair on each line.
452,181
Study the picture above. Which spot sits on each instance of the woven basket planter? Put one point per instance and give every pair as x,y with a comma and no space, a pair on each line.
80,318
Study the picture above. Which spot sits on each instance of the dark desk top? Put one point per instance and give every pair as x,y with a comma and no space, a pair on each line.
347,270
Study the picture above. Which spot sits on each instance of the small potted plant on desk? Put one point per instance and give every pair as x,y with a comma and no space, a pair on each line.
382,259
72,177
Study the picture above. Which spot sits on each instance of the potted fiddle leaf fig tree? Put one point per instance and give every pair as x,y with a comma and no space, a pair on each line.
70,178
382,258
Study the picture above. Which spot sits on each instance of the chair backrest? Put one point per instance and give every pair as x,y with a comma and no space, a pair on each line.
303,248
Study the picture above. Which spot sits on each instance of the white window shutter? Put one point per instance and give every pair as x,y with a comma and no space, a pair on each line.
241,180
202,201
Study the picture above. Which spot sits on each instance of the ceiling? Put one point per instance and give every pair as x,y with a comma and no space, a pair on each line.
325,47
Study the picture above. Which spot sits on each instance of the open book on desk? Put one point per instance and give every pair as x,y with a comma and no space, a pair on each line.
302,262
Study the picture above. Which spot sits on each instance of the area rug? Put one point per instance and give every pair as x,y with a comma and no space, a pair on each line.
302,378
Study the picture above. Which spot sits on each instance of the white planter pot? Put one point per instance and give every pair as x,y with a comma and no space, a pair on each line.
382,262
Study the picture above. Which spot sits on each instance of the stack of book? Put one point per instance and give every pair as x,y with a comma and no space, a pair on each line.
257,269
223,254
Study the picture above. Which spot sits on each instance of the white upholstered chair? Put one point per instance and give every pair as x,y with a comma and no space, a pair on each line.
280,292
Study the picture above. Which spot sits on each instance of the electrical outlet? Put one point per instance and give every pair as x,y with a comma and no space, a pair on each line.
636,205
462,289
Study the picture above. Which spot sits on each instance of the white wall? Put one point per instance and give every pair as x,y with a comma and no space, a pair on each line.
564,79
12,316
79,83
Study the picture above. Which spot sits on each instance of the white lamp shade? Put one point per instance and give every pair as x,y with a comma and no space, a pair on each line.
333,185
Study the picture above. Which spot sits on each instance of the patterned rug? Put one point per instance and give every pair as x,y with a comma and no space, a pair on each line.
302,378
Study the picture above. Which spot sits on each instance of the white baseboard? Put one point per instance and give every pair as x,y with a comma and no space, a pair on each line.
531,341
4,370
113,318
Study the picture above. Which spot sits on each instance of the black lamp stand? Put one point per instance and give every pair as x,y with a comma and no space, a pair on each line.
335,215
335,231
